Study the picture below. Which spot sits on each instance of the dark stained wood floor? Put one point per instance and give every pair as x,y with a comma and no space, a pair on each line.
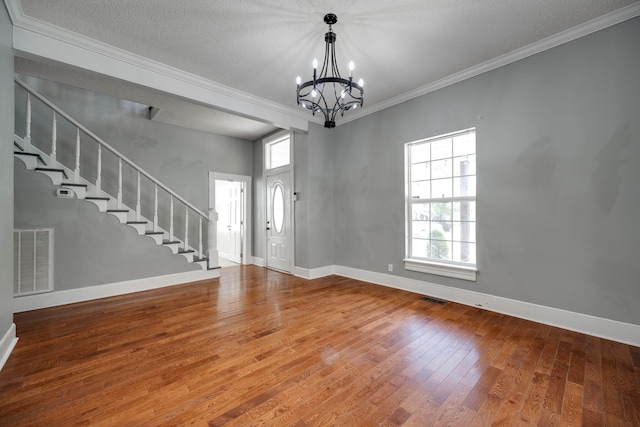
257,347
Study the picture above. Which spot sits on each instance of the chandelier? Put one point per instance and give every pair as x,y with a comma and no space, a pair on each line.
326,93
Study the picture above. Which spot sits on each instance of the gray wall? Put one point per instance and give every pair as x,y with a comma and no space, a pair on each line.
258,200
319,197
180,158
90,247
558,142
6,172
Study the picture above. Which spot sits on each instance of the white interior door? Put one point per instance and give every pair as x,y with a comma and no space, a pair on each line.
279,233
230,208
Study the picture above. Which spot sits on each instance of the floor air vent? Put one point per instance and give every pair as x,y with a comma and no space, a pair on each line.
433,300
33,261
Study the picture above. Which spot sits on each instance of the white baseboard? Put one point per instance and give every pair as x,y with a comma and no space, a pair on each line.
258,261
7,344
314,273
596,326
52,299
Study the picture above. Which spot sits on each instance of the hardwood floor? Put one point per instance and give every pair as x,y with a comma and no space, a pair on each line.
257,347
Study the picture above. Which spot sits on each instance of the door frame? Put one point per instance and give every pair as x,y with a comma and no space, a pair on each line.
247,246
265,190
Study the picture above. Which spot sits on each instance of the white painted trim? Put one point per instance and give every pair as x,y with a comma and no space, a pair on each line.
314,273
35,38
441,269
88,293
258,261
597,326
266,173
582,30
7,344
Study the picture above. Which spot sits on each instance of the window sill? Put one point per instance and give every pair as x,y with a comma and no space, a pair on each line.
449,270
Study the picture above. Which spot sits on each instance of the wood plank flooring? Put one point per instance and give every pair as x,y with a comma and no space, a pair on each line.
260,348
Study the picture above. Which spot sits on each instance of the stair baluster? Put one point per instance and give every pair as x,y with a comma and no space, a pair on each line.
186,228
119,183
54,139
99,173
76,173
27,138
171,219
212,239
138,208
155,208
200,254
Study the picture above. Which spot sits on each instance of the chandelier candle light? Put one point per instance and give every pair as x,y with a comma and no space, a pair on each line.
327,93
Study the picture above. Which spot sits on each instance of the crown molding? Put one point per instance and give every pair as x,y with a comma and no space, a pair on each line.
589,27
34,31
246,105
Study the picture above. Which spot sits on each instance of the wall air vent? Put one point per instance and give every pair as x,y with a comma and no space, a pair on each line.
33,261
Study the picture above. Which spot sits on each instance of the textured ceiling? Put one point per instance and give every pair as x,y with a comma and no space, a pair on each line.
259,47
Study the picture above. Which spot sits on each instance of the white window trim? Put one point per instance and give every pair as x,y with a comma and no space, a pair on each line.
450,270
457,271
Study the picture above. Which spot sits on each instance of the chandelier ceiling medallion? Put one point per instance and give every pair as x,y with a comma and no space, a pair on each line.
327,92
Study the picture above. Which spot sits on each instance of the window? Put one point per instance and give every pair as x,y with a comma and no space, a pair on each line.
441,205
278,152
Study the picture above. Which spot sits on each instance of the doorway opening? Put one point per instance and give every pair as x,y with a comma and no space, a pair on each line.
231,196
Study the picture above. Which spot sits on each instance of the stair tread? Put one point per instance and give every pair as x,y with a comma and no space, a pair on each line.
153,232
172,242
117,210
53,170
137,222
200,259
188,251
96,198
26,153
72,184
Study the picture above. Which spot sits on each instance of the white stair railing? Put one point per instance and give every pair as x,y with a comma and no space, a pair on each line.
209,219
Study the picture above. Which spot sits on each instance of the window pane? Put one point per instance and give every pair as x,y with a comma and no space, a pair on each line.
440,249
464,144
279,154
464,165
464,252
464,231
441,188
420,172
420,153
420,211
420,248
441,149
441,230
464,186
278,208
421,190
421,229
464,211
441,169
441,212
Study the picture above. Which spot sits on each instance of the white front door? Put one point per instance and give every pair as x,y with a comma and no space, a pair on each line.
229,205
279,234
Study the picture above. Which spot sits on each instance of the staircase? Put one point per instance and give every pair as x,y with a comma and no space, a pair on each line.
171,221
